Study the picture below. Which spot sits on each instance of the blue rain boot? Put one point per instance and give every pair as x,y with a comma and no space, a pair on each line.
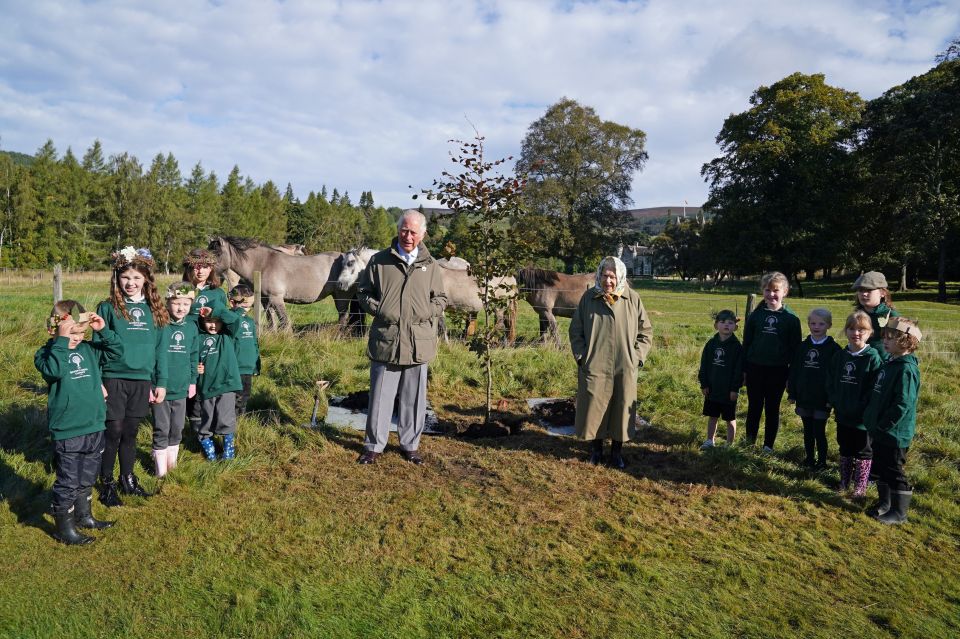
209,450
229,450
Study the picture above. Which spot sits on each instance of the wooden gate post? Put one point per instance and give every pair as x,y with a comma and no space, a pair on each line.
57,283
257,303
751,300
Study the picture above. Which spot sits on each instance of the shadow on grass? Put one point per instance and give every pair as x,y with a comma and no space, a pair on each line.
28,500
662,455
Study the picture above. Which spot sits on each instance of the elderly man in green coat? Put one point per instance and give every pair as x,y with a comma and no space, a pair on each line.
610,335
402,288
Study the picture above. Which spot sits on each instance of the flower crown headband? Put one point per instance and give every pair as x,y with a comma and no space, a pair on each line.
183,290
200,257
129,255
79,318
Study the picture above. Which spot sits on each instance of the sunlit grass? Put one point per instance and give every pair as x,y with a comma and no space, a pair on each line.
511,537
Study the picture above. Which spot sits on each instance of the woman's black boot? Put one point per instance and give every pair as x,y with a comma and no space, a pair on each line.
596,452
616,456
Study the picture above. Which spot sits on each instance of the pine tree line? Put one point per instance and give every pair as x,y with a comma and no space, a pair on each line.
75,212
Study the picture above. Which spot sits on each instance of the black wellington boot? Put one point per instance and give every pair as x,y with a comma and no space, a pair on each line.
616,456
883,503
130,486
899,503
66,531
108,493
596,452
83,515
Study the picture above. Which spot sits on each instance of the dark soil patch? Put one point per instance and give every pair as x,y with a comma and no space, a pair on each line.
354,401
559,412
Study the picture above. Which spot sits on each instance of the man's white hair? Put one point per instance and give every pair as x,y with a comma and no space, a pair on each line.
413,214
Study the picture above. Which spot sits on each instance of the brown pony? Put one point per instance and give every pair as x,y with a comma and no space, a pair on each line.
552,294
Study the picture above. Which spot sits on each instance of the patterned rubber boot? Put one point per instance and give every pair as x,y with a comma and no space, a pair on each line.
229,451
209,450
846,470
861,476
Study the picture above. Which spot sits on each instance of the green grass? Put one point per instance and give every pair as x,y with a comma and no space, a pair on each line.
512,537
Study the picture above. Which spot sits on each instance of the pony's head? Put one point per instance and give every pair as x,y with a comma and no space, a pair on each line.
353,262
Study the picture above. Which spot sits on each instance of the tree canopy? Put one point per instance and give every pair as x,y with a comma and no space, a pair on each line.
581,169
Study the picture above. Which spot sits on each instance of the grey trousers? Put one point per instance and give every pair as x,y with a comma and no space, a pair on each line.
385,381
218,415
168,419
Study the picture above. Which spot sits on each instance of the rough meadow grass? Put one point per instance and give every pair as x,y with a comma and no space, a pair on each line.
508,537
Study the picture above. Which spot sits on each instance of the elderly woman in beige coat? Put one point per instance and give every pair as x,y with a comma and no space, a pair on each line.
610,335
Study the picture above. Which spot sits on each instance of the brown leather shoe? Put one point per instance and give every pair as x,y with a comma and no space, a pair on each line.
413,457
368,457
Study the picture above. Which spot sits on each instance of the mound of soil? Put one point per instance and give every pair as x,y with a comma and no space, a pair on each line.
354,401
560,412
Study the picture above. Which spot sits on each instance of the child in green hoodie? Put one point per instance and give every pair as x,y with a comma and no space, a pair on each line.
219,381
807,386
245,339
873,298
137,315
178,350
891,419
849,382
75,413
721,376
770,340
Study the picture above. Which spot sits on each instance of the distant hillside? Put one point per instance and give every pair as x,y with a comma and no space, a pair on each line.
21,159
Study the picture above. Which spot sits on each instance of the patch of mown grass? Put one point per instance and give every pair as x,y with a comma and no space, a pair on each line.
510,537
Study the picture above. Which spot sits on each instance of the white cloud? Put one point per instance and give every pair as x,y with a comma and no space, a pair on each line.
364,95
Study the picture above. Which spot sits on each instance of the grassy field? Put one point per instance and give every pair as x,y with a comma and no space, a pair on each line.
509,537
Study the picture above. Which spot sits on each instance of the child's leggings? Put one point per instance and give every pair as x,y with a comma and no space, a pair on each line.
815,433
765,387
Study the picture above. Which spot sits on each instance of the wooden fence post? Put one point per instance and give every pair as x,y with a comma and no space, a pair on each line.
751,300
257,303
57,283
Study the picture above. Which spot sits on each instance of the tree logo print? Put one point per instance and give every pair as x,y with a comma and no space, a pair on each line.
178,337
137,314
76,359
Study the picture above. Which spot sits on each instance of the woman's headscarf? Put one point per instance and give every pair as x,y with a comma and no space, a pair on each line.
621,269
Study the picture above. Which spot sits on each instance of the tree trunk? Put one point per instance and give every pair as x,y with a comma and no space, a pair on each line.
903,276
942,272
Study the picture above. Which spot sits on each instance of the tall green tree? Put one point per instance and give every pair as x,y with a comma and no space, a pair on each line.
779,179
911,142
581,169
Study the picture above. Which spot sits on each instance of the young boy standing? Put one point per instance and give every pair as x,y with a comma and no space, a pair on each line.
245,340
891,418
76,411
218,383
721,376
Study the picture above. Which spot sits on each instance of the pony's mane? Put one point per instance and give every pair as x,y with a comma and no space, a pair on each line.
534,277
239,243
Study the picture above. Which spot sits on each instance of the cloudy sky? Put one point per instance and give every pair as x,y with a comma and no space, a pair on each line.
363,95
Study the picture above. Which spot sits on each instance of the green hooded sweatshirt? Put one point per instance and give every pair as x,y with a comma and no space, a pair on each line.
141,339
807,384
75,404
721,368
771,338
891,414
179,351
849,382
